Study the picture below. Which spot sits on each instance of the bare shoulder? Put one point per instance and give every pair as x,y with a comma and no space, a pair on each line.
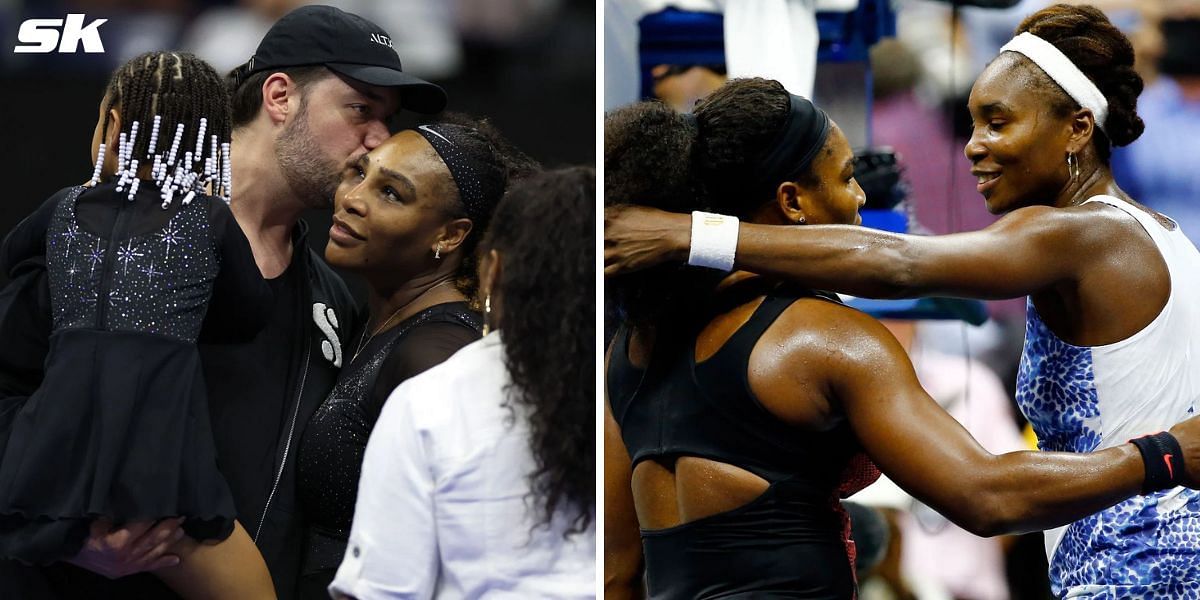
814,329
1048,221
814,348
1072,233
1086,222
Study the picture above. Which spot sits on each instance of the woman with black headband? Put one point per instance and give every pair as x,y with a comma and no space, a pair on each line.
480,478
739,410
1112,336
407,217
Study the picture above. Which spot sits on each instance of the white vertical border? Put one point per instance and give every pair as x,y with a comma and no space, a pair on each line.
599,111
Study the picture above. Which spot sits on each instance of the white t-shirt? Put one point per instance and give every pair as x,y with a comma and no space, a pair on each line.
443,503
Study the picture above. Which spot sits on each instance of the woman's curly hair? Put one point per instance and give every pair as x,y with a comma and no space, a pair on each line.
545,233
656,157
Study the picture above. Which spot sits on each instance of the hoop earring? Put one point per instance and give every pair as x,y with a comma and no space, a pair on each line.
437,252
487,314
1073,165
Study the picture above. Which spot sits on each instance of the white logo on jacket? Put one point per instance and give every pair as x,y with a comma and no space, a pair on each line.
327,322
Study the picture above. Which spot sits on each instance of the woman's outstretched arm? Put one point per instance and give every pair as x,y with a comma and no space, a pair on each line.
867,374
1027,250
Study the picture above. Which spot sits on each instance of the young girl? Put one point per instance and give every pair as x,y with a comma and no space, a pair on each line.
140,260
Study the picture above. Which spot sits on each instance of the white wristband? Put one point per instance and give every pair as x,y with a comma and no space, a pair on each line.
714,241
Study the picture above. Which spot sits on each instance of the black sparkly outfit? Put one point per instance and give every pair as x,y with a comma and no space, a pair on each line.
331,451
119,426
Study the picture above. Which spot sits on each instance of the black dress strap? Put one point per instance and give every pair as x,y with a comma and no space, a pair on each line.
723,380
739,346
622,377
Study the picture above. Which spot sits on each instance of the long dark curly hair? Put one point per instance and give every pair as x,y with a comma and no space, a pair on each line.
654,156
545,233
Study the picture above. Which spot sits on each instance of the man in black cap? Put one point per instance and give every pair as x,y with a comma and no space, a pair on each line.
315,95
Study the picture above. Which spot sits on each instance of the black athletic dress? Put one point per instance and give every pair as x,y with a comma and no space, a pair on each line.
331,451
790,542
119,426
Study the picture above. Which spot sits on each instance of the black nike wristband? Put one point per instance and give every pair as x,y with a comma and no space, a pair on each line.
1163,459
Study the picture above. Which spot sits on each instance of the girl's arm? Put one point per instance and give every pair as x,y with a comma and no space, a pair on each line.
25,324
28,239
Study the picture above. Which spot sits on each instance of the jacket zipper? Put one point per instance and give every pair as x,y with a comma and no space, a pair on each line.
106,277
288,445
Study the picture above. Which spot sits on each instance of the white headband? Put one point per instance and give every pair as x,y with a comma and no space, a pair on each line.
1064,72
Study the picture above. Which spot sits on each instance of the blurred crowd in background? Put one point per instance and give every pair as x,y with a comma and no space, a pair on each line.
526,65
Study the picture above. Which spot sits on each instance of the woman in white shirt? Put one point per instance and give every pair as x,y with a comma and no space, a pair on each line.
479,478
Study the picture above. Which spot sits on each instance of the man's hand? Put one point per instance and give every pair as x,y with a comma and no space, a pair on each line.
135,548
637,238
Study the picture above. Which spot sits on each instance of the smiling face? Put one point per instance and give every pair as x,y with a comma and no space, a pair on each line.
391,209
1018,144
339,120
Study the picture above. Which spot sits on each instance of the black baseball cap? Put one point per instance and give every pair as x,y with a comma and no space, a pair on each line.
345,43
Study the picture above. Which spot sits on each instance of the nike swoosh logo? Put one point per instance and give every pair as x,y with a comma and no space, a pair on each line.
1170,468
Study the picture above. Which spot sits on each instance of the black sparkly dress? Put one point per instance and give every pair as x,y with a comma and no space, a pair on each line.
119,427
331,451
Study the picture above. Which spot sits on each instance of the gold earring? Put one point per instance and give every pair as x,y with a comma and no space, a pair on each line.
487,314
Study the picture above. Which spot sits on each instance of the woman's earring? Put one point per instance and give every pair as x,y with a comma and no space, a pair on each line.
437,252
487,313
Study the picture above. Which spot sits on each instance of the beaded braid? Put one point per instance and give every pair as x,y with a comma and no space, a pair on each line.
187,102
